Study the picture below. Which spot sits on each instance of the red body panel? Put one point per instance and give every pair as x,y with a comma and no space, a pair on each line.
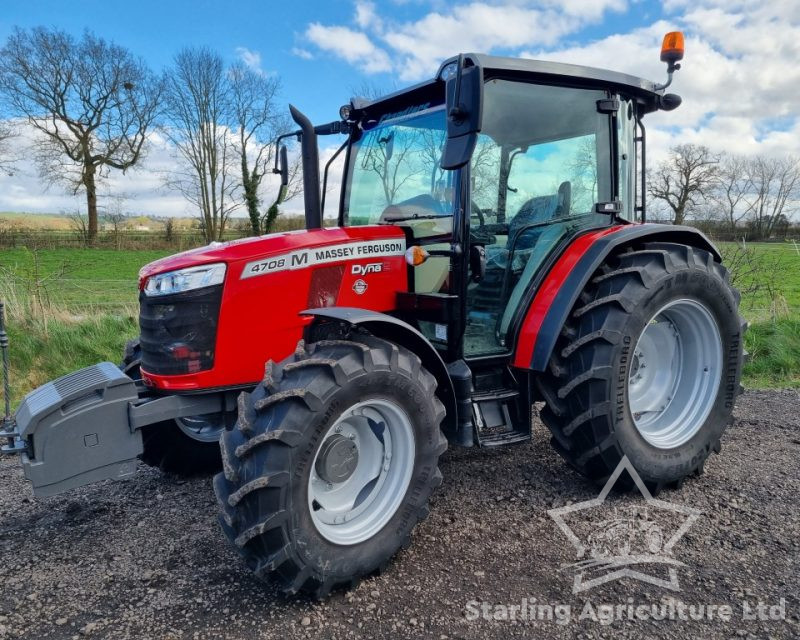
259,317
547,292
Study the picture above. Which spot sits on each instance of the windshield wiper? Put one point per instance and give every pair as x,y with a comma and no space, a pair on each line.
416,216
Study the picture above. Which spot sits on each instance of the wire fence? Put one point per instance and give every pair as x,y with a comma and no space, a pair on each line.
123,240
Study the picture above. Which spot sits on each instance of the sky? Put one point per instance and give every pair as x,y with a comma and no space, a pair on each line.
739,80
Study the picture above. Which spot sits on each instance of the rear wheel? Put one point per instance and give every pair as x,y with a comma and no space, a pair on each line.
331,463
184,446
647,366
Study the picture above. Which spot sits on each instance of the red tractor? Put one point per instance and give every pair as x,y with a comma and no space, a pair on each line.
491,252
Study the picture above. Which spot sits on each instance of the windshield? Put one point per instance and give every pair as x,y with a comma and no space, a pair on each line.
394,174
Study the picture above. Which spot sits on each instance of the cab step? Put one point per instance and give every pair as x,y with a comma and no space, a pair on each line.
497,418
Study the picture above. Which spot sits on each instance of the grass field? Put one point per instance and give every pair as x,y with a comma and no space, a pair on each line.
77,279
90,298
779,265
35,221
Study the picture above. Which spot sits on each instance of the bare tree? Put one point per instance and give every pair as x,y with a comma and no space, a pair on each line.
756,273
198,112
583,172
258,124
169,230
484,173
775,191
684,179
92,102
731,188
431,147
116,216
7,134
79,222
387,152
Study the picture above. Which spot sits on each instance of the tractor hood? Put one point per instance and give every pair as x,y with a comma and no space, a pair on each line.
237,253
257,314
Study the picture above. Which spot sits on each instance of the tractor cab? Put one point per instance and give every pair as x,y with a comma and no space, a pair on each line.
486,189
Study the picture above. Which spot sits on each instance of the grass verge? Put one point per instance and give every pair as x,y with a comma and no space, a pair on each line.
38,355
774,348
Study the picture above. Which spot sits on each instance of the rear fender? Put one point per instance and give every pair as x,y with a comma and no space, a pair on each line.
399,332
559,290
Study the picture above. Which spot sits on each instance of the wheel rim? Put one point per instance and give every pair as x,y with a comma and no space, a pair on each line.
206,428
361,471
675,373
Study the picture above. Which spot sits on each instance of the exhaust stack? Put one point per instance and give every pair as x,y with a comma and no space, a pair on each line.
310,156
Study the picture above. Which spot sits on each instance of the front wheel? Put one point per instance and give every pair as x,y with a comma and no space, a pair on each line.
331,463
647,366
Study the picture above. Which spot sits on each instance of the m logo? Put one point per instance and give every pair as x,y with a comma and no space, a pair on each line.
366,269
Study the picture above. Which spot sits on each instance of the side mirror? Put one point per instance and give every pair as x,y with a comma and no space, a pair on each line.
283,165
464,106
282,168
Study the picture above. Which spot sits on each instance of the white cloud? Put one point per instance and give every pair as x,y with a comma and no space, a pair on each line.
142,186
305,54
353,46
415,49
739,76
366,15
252,59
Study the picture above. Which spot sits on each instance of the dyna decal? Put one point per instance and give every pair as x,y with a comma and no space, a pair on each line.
364,269
303,258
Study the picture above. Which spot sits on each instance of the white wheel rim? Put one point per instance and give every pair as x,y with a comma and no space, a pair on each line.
371,446
675,373
205,428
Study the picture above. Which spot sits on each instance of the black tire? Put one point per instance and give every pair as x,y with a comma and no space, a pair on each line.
268,456
586,391
166,446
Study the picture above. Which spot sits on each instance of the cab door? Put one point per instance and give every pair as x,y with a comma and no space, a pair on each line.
542,163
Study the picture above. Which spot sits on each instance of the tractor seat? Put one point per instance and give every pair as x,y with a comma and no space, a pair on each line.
534,211
540,209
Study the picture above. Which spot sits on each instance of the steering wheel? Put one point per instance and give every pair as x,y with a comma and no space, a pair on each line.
479,234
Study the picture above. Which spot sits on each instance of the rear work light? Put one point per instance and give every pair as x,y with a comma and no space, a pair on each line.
172,282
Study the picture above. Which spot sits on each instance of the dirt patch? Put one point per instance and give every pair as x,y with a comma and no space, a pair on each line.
145,558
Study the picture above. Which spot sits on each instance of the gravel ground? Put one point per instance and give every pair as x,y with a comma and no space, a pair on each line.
144,558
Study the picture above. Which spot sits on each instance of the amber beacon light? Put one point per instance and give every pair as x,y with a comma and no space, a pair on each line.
671,53
672,47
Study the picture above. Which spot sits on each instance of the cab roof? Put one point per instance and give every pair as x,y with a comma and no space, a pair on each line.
523,69
558,71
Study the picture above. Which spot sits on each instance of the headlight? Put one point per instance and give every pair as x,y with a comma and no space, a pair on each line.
185,279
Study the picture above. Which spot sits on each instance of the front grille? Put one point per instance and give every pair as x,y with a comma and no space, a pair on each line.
178,332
